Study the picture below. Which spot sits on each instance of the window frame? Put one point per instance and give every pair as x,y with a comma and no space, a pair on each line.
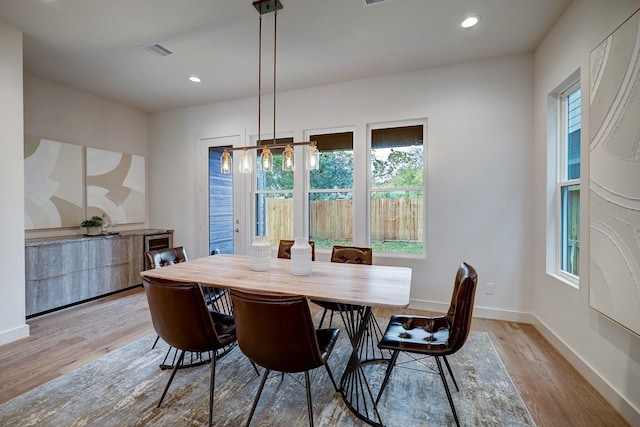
369,189
308,134
562,181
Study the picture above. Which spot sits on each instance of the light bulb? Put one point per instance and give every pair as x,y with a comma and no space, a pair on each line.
313,161
225,163
265,161
245,162
287,161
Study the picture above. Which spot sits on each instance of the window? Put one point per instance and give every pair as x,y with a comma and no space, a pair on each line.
397,189
331,191
274,198
568,183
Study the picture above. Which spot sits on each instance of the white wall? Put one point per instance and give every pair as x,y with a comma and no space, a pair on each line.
62,113
607,354
479,141
12,296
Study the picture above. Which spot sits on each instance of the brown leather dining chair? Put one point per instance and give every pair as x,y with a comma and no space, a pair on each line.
159,258
284,249
218,302
372,332
438,336
168,256
348,255
181,317
276,332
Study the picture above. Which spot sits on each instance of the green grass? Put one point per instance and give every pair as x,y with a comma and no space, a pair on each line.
396,246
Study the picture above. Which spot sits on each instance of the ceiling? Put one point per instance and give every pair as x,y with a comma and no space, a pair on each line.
96,45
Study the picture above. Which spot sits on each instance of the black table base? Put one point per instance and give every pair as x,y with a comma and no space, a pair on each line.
364,333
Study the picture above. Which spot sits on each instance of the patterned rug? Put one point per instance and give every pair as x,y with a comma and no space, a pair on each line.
123,387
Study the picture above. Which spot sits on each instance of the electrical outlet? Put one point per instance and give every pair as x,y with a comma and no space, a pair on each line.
490,289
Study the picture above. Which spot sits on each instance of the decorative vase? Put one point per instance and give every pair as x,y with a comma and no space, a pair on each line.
261,254
94,231
301,258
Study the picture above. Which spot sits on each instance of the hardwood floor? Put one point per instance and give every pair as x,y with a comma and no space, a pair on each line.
555,393
63,340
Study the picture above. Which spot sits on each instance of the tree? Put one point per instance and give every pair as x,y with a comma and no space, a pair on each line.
401,168
336,172
277,179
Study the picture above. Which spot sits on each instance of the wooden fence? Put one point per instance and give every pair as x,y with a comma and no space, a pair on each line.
391,219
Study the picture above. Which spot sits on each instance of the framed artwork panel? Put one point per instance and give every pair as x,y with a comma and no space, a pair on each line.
115,186
614,176
53,193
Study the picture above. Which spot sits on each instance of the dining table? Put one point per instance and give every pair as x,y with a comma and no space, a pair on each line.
355,287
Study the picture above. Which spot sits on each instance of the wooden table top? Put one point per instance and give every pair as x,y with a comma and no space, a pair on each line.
369,285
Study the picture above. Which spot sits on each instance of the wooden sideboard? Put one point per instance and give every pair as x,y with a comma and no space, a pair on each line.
62,271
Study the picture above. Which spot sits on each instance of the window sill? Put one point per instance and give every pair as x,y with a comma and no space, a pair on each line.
401,255
570,281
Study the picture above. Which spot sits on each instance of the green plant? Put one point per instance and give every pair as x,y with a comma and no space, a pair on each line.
95,221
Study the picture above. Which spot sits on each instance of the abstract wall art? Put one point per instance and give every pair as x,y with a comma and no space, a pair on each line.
614,176
115,185
67,183
53,187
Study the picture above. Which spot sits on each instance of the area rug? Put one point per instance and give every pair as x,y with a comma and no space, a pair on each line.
123,387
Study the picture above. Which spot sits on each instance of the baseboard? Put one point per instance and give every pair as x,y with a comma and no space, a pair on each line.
624,407
14,334
480,312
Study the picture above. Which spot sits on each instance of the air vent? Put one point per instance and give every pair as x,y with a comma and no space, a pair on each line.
157,49
372,2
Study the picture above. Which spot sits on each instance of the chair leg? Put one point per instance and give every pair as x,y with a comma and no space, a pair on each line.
392,363
446,362
164,364
173,374
255,402
255,368
322,318
309,403
155,342
212,387
446,389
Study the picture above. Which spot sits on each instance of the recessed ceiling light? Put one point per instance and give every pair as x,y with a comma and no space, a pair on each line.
470,21
194,79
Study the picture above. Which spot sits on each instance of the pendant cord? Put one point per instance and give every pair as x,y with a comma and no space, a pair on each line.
259,76
275,33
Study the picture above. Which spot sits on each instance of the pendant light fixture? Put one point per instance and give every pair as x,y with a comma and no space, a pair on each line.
267,6
265,160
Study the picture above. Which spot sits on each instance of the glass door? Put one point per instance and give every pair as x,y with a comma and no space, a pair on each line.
222,229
